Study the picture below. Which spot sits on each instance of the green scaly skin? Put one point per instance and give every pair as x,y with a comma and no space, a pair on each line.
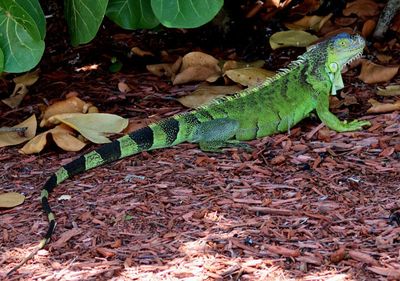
274,106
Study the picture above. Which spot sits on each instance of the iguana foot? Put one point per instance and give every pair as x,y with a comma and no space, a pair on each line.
353,126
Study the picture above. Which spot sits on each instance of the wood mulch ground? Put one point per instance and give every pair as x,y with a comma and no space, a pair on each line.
311,204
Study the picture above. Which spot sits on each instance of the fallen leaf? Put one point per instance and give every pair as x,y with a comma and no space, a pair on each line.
345,21
13,138
374,73
378,107
63,136
93,126
389,91
368,28
362,8
197,73
232,64
205,94
291,38
11,199
141,53
196,59
20,90
384,58
72,104
309,23
165,69
123,87
339,255
249,76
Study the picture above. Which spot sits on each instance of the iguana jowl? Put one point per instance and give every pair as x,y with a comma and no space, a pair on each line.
274,106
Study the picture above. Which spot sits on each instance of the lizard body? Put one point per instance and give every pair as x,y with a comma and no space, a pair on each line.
274,106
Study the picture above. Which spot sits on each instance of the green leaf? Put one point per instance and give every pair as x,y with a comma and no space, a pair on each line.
20,38
185,13
84,18
33,8
132,14
1,61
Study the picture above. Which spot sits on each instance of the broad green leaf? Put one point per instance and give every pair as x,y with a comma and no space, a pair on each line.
33,8
185,13
84,18
132,14
1,61
20,38
11,199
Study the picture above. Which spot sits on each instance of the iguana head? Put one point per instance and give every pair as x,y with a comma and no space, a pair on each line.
343,48
335,53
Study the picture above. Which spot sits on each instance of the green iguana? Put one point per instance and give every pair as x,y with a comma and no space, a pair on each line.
274,106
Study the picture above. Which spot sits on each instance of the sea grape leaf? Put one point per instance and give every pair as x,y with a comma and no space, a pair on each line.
249,76
132,14
11,199
33,8
20,38
13,138
291,38
21,88
84,18
205,94
93,126
62,135
1,61
185,14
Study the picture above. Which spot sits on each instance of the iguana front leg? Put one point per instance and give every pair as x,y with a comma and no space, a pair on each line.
332,121
214,134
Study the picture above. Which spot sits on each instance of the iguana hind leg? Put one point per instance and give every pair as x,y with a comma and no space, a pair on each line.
214,134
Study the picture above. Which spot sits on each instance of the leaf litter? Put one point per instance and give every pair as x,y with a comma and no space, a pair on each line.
311,204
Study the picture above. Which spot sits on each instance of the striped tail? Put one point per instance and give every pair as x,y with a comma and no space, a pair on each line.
157,135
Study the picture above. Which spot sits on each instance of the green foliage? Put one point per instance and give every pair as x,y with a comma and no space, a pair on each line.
132,14
23,25
184,13
21,34
84,18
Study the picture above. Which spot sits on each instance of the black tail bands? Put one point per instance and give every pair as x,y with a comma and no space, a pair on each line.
135,142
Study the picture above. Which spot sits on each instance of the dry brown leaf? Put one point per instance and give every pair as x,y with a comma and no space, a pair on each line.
20,90
123,87
378,107
291,38
160,70
339,255
72,104
13,138
11,199
68,143
362,8
198,58
384,58
204,94
232,64
249,76
197,73
374,73
345,21
389,91
309,23
368,28
141,53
